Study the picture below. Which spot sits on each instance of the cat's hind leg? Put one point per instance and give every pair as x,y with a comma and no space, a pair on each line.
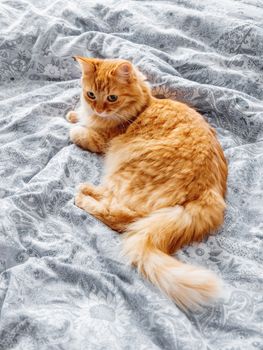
90,204
90,190
98,203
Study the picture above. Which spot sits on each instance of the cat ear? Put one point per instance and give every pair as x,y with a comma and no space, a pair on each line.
124,71
86,65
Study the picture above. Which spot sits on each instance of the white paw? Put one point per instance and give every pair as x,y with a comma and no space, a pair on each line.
76,134
72,117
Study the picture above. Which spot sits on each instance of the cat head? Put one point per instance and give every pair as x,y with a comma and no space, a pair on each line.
114,89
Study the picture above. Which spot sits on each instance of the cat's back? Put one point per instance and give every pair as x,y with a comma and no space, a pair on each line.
168,119
164,127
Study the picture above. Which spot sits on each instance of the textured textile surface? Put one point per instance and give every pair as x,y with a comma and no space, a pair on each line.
62,282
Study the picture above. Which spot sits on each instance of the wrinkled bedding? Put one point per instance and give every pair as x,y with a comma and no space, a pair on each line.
63,284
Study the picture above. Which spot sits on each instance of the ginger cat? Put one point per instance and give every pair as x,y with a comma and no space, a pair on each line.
165,175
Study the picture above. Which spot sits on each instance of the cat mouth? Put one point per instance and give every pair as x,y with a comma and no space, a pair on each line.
104,115
109,116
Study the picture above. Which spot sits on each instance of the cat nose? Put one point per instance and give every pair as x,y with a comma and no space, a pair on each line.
99,109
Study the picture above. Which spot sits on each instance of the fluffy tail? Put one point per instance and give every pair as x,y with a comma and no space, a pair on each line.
149,240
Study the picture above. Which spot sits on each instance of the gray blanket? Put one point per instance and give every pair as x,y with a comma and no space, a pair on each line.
62,282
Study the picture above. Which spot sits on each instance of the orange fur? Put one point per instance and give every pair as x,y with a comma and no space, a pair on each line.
165,175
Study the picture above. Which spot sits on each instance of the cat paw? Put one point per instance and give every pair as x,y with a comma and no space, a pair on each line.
89,190
86,139
72,117
87,203
79,200
85,188
76,135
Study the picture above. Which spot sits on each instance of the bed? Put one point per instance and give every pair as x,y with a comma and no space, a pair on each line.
63,284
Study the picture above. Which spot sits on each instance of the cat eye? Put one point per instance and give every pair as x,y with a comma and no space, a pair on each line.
112,98
91,95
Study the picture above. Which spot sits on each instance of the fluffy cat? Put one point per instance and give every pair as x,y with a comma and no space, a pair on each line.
165,175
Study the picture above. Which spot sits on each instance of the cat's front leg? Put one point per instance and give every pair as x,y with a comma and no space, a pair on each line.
72,117
88,139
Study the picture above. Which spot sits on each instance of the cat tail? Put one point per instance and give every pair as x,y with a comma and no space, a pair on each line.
148,241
